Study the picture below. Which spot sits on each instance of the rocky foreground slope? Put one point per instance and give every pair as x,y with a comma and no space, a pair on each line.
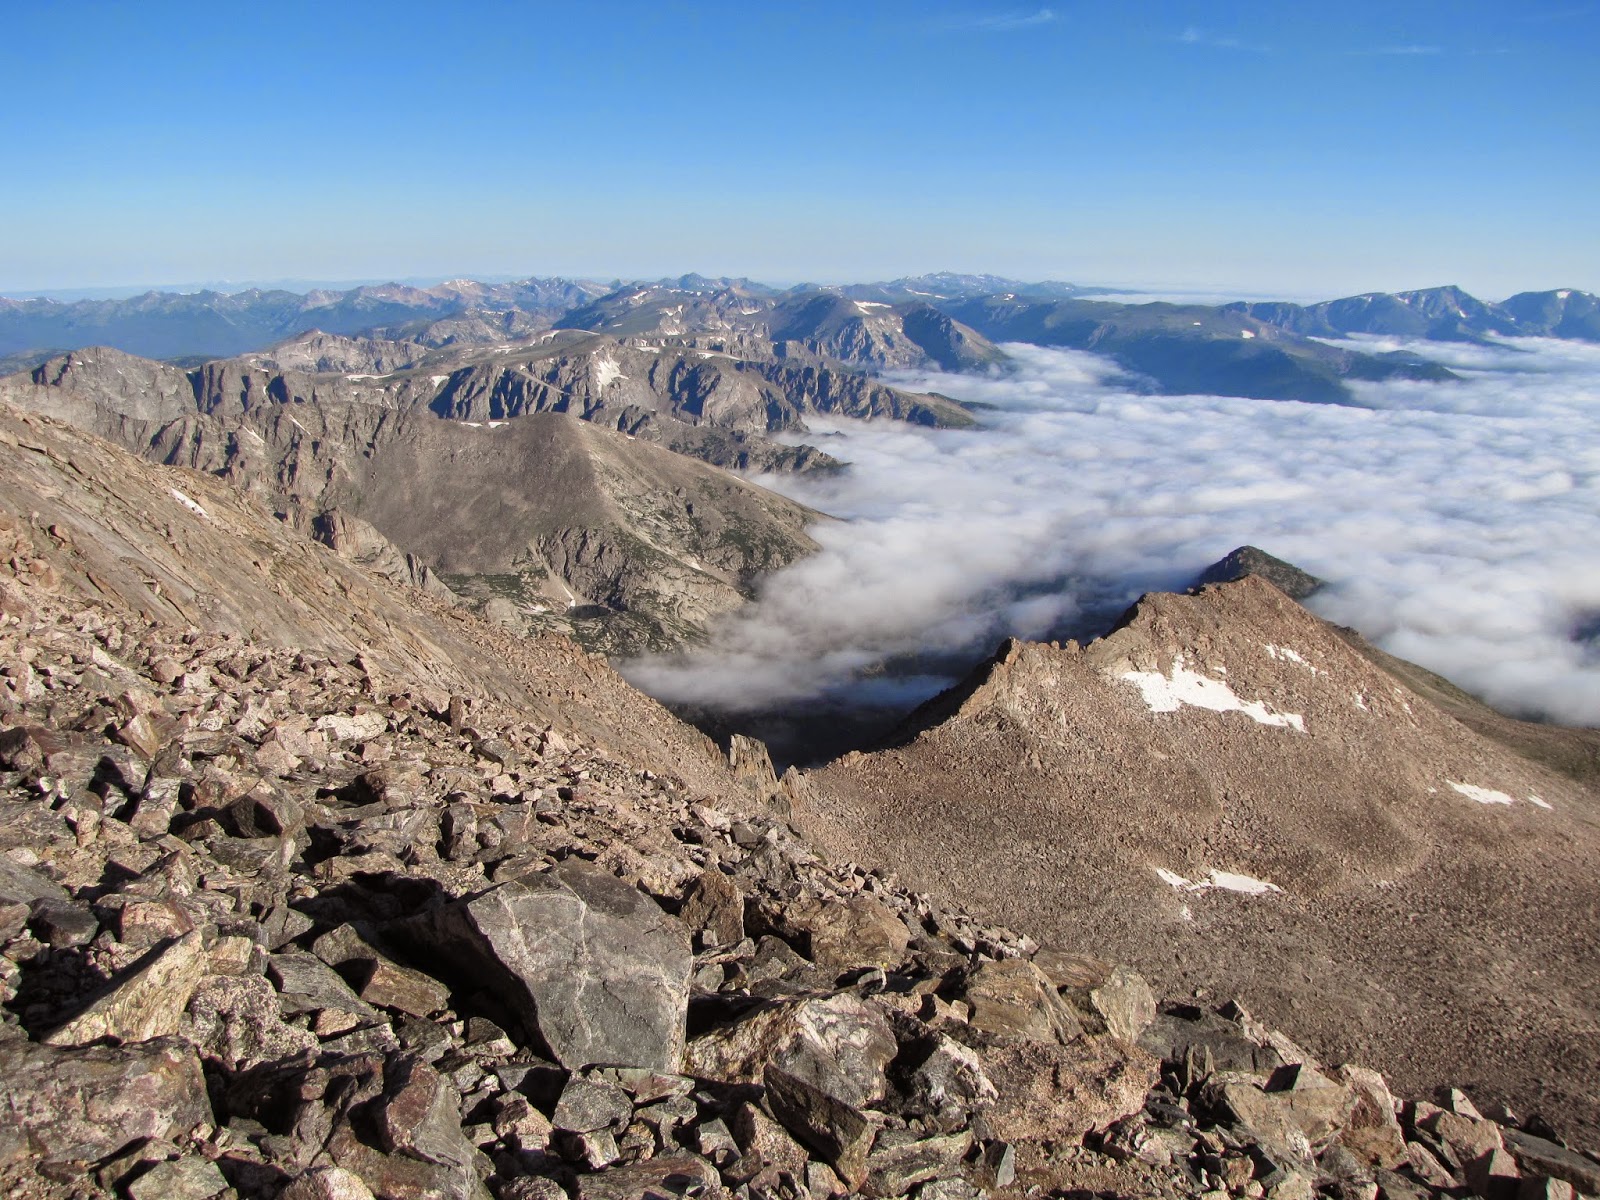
336,893
1226,792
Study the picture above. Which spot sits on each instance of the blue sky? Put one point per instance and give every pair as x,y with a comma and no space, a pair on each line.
1268,147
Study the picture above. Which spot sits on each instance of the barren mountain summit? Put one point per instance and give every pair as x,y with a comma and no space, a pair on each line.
1226,791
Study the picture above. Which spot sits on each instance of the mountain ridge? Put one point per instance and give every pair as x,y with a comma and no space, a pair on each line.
1176,750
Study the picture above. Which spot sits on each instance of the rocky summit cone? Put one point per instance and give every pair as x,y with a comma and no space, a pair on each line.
1228,794
1247,560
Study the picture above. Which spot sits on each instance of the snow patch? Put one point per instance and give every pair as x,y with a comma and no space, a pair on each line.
606,372
1485,795
1226,881
363,376
1245,333
867,306
1288,655
1564,294
1169,693
192,505
1361,702
1482,795
1540,802
436,380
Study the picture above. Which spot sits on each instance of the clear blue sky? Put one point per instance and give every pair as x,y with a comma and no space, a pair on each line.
1313,149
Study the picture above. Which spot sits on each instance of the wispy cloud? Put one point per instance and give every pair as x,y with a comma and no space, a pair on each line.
1404,51
1007,22
1195,36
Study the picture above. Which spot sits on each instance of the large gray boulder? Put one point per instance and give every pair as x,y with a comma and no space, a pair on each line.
593,967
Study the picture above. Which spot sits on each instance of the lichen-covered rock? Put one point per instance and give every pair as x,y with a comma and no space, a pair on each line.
146,1004
1047,1091
1014,997
83,1104
594,968
840,1044
236,1021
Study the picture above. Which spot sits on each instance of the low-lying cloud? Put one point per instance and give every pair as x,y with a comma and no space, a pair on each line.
1456,525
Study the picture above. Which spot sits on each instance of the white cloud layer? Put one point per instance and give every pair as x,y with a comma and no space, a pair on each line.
1456,523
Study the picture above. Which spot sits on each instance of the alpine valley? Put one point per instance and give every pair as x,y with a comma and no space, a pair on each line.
338,860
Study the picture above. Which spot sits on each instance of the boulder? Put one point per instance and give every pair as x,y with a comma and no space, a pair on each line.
1125,1002
942,1081
419,1115
654,1179
1540,1157
179,1179
894,1170
840,1044
595,970
24,885
836,1130
764,1143
73,1105
1054,1092
588,1105
1372,1132
389,985
383,981
327,1183
714,908
236,1021
146,1003
1015,998
309,985
858,932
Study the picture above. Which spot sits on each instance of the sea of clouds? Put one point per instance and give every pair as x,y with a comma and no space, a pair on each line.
1457,524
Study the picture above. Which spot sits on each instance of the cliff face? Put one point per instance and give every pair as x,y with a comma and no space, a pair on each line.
1227,791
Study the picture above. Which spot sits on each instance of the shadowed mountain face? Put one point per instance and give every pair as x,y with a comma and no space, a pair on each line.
1248,560
1192,349
1439,314
1229,791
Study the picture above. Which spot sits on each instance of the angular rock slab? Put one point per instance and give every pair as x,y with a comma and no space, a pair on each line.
840,1044
1060,1093
655,1179
83,1104
148,1003
836,1130
594,966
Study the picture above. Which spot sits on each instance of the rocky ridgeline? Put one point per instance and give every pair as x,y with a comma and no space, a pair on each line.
273,926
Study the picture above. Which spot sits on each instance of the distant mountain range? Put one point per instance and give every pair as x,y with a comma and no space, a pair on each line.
1439,314
1268,350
